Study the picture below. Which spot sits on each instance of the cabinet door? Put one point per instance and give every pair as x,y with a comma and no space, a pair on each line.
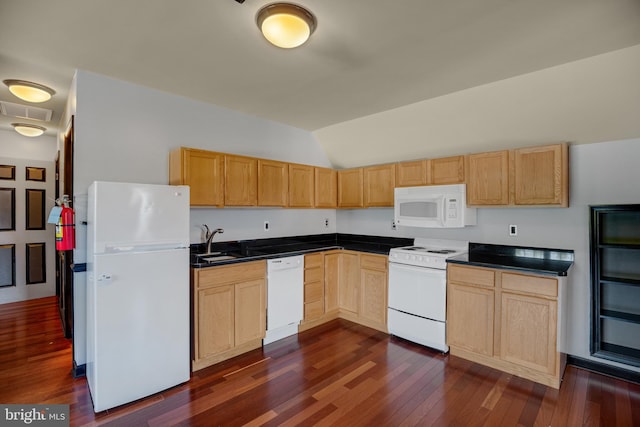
470,312
379,182
326,188
350,183
215,320
488,180
528,331
241,181
301,186
373,301
541,175
349,282
273,183
331,279
410,174
250,311
447,170
202,171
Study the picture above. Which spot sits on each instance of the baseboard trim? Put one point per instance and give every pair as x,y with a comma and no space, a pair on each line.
79,370
602,368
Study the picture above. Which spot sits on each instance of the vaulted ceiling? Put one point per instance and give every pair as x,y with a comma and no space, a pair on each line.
366,56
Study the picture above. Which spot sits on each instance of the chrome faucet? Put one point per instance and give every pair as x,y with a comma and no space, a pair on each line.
208,235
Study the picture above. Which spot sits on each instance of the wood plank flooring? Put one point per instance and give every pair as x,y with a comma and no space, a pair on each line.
339,374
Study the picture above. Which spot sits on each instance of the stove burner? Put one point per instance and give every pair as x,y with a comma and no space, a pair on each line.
427,250
441,251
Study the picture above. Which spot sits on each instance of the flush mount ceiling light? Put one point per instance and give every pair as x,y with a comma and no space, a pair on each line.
28,130
286,25
29,91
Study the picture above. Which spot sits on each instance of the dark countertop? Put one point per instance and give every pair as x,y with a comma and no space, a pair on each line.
251,250
555,262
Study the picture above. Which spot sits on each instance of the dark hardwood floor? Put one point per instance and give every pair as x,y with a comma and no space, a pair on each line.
339,374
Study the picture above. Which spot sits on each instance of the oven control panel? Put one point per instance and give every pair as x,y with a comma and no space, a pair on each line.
419,260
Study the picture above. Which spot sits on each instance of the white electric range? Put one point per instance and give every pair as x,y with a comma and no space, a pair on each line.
418,290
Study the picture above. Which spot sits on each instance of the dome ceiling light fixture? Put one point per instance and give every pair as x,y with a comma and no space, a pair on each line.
286,25
28,130
29,91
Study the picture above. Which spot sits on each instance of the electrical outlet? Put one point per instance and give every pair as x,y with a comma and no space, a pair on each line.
513,230
326,223
393,225
266,226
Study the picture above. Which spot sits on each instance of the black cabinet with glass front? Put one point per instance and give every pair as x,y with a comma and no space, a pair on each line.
615,283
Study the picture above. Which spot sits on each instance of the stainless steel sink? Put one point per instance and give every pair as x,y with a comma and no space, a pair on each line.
213,258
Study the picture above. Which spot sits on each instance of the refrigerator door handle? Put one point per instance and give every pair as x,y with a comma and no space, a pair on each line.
114,249
104,277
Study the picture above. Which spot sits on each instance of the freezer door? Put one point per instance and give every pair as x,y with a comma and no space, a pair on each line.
122,216
137,325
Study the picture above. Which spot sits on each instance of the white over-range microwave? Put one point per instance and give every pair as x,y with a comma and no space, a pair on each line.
433,206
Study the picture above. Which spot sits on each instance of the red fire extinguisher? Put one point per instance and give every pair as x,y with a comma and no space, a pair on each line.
66,230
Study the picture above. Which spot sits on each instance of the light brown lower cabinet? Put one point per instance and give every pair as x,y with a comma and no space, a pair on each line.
331,280
349,283
470,325
313,287
507,320
229,311
373,291
355,288
230,301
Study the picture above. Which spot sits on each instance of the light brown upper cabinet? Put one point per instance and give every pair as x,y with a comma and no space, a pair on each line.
379,182
350,188
202,171
488,178
447,170
411,174
541,175
301,186
241,180
534,176
326,188
273,183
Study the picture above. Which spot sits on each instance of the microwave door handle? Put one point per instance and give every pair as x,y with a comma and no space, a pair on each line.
443,220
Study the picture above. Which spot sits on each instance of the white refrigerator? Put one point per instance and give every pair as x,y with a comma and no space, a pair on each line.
138,336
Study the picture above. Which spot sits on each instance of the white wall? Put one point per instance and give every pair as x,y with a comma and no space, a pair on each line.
17,146
601,173
124,132
20,236
591,100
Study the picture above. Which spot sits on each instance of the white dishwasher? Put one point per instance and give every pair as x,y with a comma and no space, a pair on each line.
285,297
